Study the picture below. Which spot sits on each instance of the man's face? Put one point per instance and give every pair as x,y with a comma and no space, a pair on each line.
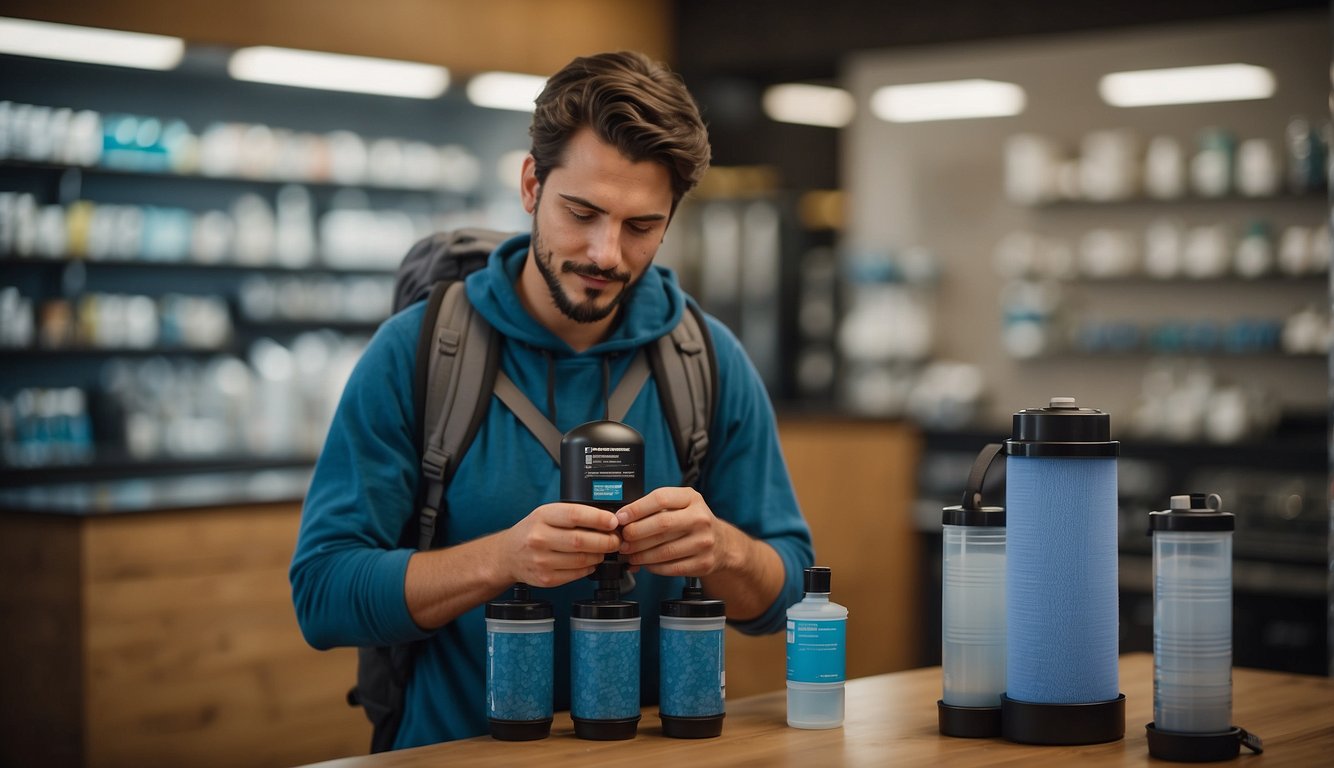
597,223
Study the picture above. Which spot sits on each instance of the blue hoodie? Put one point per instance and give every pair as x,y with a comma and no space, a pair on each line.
348,570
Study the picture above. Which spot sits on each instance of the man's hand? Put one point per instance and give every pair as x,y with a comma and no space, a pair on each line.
672,532
558,543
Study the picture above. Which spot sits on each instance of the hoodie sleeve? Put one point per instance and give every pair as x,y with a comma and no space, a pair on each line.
745,479
348,570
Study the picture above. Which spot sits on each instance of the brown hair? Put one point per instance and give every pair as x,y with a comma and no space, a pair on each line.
631,102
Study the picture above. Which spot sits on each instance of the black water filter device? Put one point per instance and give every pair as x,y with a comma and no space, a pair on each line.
602,465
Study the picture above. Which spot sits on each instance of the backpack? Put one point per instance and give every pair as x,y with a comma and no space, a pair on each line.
456,373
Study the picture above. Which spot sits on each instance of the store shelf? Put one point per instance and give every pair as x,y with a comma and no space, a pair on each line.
1312,279
313,270
1142,353
1282,198
228,179
111,466
280,327
32,354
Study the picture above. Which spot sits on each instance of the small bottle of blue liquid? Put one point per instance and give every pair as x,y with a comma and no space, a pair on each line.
604,660
816,656
692,676
519,661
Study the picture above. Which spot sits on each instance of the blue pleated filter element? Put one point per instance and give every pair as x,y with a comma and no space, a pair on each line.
1061,579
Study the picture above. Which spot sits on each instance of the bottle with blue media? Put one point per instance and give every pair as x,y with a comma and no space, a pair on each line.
816,655
692,676
602,465
519,660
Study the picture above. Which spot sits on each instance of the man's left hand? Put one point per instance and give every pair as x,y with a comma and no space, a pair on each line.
672,532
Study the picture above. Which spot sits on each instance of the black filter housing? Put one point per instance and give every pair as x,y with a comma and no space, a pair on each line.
602,465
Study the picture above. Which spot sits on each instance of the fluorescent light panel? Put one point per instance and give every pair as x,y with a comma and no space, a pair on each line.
1187,85
809,105
505,90
42,39
947,100
338,72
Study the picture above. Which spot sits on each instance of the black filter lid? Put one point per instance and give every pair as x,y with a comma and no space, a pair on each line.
1062,430
1193,512
692,604
605,609
817,579
521,607
971,512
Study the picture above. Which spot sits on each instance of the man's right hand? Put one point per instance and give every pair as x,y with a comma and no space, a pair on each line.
558,543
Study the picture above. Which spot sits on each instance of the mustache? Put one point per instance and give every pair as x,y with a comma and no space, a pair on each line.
588,270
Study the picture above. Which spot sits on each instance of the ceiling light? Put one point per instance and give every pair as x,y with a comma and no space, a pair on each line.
338,72
947,100
505,90
1187,85
809,105
87,44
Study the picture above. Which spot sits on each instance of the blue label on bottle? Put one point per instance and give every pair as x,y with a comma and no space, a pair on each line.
815,650
607,490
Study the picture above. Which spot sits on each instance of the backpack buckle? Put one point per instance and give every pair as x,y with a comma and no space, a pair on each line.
448,342
434,462
699,445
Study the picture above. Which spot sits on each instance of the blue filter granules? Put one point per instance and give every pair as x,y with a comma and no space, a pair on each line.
692,684
604,674
518,674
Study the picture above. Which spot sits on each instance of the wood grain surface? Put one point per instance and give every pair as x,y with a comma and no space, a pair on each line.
891,721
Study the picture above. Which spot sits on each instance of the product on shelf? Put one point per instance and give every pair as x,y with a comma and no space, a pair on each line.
1112,165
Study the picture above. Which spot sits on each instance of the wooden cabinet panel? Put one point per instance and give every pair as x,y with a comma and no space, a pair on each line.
172,641
856,483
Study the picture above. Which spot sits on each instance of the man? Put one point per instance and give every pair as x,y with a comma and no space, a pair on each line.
617,142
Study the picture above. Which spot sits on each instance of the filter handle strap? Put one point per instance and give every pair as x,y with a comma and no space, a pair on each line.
972,492
1251,741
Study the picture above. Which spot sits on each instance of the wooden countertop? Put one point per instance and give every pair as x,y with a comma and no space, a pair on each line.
891,720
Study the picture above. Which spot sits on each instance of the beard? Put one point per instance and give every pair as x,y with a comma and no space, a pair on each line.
588,310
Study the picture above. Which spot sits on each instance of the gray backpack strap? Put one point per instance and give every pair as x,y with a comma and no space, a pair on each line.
527,413
618,403
621,398
462,366
683,365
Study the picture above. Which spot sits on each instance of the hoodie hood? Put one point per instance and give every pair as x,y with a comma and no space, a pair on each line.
652,308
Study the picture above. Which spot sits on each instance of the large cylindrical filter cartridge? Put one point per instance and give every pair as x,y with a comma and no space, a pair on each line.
972,647
519,633
1192,633
602,465
1061,678
691,667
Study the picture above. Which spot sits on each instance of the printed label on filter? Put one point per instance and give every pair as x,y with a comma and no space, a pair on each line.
815,650
607,490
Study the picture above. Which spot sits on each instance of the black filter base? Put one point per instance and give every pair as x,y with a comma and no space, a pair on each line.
606,730
520,730
1026,722
706,727
1193,747
968,722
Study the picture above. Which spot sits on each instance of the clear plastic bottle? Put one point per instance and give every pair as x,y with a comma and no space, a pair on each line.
1192,623
816,656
